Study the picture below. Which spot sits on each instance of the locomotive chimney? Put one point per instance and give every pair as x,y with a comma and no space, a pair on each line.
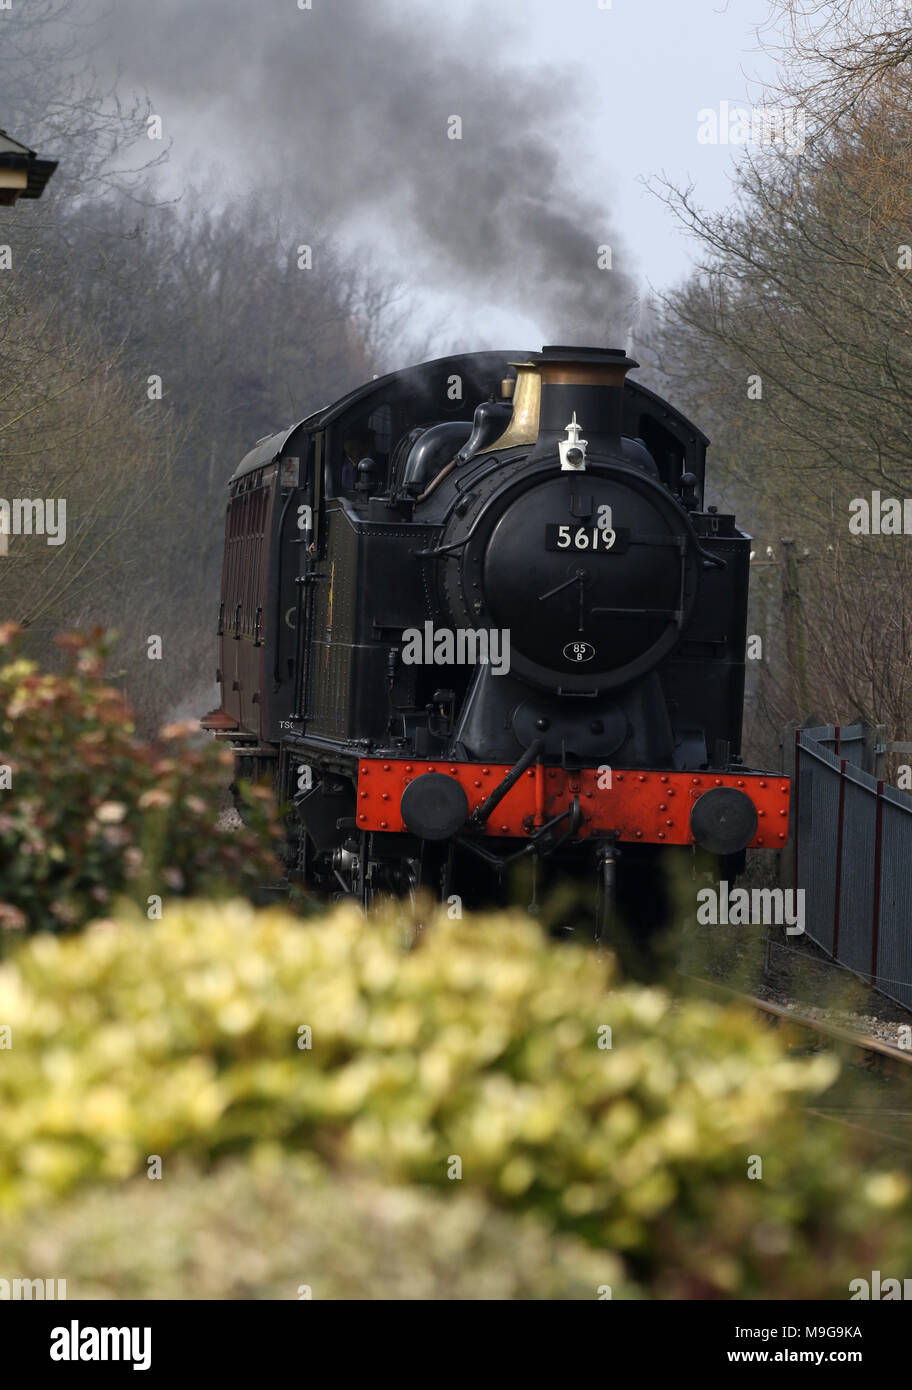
587,383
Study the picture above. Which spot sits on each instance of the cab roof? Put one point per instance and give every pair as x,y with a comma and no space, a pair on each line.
492,363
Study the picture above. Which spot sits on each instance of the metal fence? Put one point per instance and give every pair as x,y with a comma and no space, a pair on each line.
852,846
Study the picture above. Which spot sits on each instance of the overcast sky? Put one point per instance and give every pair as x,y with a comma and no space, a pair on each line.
567,108
644,69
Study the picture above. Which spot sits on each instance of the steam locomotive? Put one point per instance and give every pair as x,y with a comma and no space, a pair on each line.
476,613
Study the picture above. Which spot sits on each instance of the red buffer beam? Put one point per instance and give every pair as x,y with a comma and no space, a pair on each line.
638,807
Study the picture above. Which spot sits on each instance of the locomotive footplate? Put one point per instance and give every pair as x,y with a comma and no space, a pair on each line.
653,807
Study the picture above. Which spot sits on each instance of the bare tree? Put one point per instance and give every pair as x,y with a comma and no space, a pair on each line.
791,342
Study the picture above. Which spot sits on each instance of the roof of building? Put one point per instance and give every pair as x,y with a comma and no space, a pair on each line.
15,155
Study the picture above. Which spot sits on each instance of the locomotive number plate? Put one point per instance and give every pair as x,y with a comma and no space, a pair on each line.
577,538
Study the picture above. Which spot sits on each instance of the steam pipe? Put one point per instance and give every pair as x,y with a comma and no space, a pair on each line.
497,795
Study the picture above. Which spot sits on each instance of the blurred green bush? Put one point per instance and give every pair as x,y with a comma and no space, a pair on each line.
469,1046
264,1230
92,813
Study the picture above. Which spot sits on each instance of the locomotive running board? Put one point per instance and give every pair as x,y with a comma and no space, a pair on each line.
629,805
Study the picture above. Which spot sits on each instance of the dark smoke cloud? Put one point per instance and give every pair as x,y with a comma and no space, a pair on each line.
347,104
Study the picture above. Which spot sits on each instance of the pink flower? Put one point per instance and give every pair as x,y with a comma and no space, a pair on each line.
154,798
12,918
116,836
65,912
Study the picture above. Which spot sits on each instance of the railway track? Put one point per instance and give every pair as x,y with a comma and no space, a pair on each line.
876,1072
873,1054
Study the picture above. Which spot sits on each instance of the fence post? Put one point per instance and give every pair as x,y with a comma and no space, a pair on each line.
878,838
839,823
788,768
872,737
879,760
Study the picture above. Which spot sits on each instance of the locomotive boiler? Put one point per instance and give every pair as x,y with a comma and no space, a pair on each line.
477,612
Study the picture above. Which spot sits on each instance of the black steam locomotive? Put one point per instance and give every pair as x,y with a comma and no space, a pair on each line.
475,612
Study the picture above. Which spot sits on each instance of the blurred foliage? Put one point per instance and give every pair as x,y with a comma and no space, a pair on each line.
476,1039
92,812
264,1229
